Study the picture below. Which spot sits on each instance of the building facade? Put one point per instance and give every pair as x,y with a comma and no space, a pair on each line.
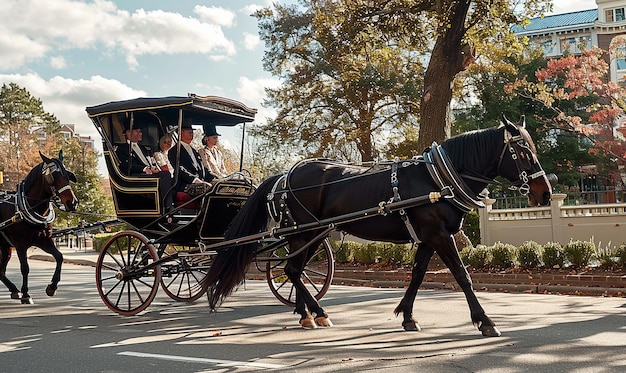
603,27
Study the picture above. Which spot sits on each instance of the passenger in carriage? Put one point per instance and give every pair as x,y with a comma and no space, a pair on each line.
212,157
193,178
135,161
161,157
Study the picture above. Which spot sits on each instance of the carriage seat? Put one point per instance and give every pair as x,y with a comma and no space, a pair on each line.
182,197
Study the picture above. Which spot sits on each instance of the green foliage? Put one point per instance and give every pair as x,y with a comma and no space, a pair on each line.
502,255
476,257
471,227
606,257
620,254
552,255
100,239
579,253
373,252
528,254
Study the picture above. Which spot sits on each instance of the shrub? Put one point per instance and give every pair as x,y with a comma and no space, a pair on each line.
100,239
528,254
579,253
620,254
344,251
476,257
552,255
471,227
606,256
502,255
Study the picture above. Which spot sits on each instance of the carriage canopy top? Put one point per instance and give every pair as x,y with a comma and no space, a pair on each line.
208,109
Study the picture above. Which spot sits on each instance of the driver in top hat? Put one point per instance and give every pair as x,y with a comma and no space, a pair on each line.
193,178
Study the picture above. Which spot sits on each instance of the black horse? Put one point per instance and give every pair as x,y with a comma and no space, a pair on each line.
312,191
26,218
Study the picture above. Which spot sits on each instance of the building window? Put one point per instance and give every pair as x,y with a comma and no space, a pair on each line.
545,43
575,45
614,15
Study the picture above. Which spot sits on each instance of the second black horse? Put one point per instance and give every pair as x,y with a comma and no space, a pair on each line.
316,190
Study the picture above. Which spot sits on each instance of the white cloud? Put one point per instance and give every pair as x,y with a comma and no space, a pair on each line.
253,92
101,23
566,6
250,41
58,62
215,15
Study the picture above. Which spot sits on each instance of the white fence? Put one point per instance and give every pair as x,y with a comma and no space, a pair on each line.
605,224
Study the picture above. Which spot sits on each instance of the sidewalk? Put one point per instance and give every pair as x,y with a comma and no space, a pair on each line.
592,285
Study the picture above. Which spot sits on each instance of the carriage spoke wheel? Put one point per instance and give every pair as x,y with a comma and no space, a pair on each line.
126,279
317,275
183,278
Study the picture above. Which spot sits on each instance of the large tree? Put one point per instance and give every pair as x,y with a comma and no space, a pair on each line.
351,68
22,122
26,129
343,81
579,101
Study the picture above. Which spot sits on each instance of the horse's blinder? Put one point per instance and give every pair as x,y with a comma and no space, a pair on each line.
521,154
48,173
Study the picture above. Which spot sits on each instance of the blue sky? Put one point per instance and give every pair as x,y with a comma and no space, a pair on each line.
77,53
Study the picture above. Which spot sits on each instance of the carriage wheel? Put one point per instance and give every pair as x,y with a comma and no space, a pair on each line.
183,278
126,282
317,275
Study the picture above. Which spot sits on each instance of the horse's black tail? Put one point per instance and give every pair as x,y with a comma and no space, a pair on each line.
229,268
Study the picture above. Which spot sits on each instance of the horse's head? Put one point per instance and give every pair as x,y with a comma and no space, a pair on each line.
58,178
519,164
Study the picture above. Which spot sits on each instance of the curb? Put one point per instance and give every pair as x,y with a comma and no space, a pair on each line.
401,279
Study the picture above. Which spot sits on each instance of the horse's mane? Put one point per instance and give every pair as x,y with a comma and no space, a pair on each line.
33,176
468,150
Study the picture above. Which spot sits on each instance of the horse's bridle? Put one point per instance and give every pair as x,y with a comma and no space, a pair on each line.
48,171
517,145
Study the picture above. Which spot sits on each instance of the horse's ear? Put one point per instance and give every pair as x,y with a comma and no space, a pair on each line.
43,157
510,126
522,121
61,155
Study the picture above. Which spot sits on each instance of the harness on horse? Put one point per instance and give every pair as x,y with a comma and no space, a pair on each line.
441,170
24,211
445,176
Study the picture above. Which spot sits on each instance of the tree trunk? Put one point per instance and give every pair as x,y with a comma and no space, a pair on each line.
448,58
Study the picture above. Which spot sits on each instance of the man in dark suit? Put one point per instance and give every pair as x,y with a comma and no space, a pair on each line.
135,160
193,178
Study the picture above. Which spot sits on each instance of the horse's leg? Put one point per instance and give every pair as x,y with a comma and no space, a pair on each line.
49,247
25,269
5,256
420,265
293,270
450,256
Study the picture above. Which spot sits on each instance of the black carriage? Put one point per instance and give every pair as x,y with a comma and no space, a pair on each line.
174,248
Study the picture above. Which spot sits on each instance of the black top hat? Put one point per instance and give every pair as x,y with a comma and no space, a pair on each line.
136,124
209,130
187,122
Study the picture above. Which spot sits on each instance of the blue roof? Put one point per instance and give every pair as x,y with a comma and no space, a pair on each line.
559,20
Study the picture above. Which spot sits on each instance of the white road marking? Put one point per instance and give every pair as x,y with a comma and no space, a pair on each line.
221,363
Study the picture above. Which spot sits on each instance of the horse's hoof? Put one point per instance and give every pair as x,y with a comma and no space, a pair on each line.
15,296
308,323
50,290
411,326
489,331
323,321
27,300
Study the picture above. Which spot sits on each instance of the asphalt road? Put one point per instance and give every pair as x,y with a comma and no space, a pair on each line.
74,332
